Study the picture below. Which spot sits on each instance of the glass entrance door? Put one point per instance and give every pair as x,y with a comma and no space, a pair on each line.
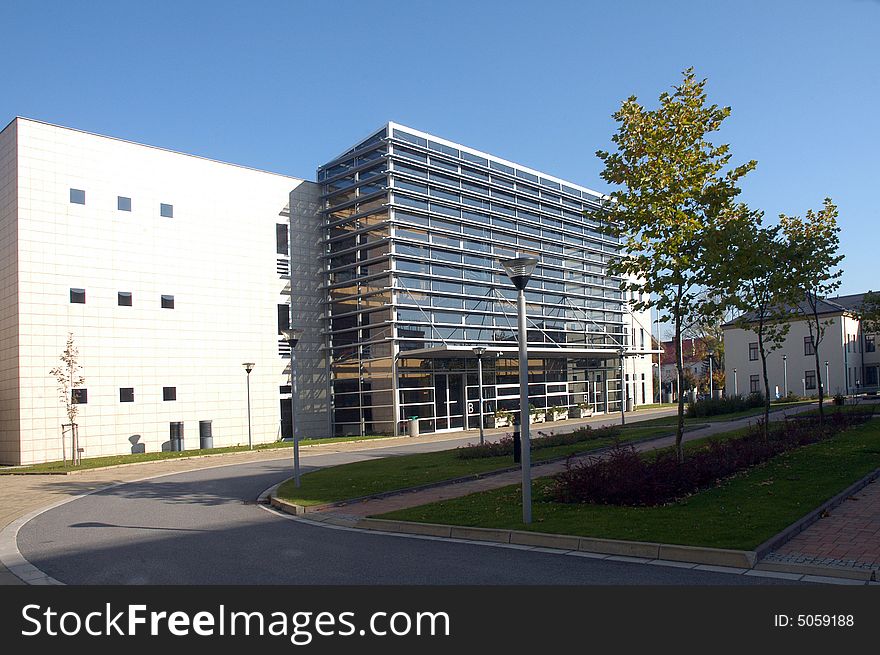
449,402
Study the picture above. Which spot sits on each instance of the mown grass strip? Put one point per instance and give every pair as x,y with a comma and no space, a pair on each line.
741,512
116,460
338,483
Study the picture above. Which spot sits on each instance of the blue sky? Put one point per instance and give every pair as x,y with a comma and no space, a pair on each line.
283,86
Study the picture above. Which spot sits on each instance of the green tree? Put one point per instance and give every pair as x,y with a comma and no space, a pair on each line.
750,268
673,186
814,243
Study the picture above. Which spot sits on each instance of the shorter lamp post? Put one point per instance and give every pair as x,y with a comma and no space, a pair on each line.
827,381
248,367
735,389
785,374
292,336
479,351
711,388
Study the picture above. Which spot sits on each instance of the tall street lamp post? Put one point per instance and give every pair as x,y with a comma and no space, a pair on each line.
479,351
785,374
519,271
292,336
248,367
622,388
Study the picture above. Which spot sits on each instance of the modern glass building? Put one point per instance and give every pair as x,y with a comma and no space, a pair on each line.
415,228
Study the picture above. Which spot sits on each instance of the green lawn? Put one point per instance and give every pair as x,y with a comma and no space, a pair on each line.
115,460
741,513
733,416
359,479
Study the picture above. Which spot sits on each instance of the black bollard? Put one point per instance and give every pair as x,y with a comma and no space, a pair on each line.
517,444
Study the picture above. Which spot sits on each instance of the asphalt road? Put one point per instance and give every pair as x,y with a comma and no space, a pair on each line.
203,527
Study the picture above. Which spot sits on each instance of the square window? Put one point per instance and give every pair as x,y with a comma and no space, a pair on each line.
123,204
167,302
79,396
77,196
126,395
753,351
754,384
809,379
169,393
166,211
808,347
123,298
78,296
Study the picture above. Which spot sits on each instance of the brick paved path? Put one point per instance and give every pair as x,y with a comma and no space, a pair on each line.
849,536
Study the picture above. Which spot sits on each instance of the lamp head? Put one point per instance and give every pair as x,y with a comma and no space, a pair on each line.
291,335
479,351
519,270
248,366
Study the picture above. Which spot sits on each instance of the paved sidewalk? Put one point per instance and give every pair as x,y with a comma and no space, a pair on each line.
22,494
847,537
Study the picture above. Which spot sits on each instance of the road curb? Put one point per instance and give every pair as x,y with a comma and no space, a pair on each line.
807,569
617,547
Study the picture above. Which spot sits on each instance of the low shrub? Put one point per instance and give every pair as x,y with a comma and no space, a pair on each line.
623,477
504,446
715,406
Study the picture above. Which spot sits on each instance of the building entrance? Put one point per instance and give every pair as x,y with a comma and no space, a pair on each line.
449,401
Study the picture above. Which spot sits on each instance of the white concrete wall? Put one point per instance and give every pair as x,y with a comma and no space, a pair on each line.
9,396
843,362
216,256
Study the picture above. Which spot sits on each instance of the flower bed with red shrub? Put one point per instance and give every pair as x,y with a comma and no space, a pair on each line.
504,446
624,477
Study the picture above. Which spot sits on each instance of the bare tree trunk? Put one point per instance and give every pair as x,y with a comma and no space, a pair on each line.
815,339
679,365
766,379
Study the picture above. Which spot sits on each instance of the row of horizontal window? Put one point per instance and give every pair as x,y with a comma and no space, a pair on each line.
405,175
126,395
123,203
328,173
524,194
353,249
525,245
491,164
429,315
572,270
340,199
481,275
425,284
522,222
123,298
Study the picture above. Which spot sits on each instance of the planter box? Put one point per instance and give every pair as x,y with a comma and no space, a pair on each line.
537,417
558,416
577,412
500,422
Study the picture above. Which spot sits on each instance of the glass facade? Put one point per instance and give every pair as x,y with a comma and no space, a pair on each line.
415,229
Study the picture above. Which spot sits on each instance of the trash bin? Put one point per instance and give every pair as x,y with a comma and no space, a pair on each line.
177,436
206,438
413,425
630,404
